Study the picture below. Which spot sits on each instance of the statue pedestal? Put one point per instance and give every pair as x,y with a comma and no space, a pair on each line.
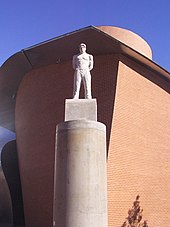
80,109
80,182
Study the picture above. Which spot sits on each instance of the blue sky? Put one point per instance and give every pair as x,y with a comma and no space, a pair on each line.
26,23
5,136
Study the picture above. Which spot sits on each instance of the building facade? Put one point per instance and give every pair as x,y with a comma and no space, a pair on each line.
133,102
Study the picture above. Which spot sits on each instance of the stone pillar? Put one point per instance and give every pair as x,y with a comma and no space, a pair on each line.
80,191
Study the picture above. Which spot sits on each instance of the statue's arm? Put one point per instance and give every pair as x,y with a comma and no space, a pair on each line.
74,62
91,63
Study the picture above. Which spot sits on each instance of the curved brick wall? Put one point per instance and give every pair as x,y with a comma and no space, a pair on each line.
135,108
129,38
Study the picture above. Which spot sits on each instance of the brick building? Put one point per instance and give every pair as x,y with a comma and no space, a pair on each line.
133,101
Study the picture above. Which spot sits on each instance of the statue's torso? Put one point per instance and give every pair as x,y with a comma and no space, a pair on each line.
82,61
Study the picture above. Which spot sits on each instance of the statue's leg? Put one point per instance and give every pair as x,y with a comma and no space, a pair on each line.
87,84
77,83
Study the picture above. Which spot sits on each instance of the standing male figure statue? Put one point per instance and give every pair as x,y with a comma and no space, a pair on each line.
82,64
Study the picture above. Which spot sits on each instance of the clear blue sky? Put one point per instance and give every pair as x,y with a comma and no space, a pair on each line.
26,23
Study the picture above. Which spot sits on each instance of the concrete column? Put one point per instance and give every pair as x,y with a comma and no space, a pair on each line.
80,191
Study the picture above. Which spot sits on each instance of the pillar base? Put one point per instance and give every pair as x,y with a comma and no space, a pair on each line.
80,192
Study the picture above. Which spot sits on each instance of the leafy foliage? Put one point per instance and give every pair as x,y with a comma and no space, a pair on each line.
134,217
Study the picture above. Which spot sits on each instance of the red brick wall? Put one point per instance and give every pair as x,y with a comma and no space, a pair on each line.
139,157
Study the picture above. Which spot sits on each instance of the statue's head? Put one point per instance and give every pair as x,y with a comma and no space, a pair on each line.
82,48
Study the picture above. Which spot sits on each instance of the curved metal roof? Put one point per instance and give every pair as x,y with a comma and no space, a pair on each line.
59,50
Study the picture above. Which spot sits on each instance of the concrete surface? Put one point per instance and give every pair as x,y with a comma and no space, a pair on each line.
80,175
80,109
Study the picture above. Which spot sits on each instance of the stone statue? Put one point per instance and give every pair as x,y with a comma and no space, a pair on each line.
82,64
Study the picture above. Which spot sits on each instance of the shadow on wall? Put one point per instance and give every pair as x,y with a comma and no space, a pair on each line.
10,169
157,79
104,79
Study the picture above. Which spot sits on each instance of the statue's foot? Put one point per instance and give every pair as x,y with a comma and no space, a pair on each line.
88,97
